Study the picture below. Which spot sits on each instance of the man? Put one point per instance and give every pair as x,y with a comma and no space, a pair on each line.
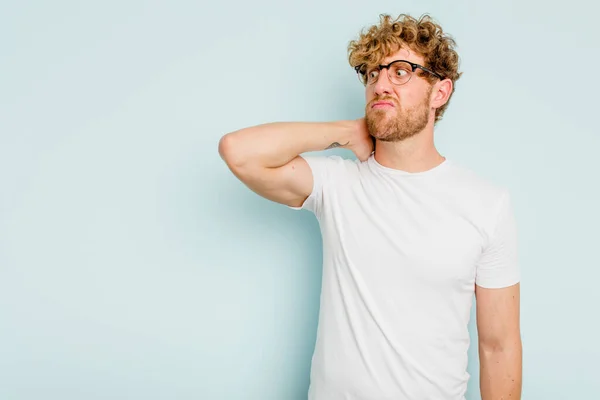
408,235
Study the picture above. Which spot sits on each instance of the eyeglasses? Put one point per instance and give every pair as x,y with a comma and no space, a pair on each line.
399,72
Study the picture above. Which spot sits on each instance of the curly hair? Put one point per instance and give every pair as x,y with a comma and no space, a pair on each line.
423,36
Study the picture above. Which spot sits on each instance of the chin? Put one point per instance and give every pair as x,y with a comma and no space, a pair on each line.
380,123
380,129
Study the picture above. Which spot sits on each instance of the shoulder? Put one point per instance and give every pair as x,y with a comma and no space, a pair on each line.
481,198
471,184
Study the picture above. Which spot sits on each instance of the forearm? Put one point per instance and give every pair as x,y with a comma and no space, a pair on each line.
275,144
501,372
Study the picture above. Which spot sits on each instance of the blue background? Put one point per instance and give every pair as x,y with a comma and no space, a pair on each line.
133,265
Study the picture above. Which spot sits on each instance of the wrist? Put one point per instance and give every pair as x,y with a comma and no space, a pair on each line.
344,133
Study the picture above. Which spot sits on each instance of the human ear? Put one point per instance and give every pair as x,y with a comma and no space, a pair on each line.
442,92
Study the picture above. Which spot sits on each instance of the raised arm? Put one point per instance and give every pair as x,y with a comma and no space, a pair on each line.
266,157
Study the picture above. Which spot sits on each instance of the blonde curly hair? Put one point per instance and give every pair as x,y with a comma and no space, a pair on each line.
423,36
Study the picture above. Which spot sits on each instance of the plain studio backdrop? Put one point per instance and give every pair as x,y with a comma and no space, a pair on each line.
133,265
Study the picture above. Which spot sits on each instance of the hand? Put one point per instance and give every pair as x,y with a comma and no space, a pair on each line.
361,143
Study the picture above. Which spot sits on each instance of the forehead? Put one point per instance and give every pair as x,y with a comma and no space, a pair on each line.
404,54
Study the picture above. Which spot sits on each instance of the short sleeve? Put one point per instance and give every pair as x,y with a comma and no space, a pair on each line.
498,266
321,167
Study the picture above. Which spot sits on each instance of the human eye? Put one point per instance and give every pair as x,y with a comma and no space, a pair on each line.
372,74
401,70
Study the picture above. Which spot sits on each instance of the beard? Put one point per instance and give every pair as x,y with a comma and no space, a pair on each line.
397,124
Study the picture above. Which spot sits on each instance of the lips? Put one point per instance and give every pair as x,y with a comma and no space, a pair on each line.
382,104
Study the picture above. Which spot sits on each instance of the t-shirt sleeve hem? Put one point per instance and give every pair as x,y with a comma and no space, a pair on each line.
496,284
314,165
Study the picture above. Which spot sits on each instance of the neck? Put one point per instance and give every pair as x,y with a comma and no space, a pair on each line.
415,154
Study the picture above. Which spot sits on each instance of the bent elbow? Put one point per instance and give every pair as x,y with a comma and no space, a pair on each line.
229,151
225,147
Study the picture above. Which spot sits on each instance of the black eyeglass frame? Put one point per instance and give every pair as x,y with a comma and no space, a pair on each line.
413,65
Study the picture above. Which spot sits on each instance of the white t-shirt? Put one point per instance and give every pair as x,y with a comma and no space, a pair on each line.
402,253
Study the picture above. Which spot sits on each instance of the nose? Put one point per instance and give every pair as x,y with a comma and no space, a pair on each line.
383,85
